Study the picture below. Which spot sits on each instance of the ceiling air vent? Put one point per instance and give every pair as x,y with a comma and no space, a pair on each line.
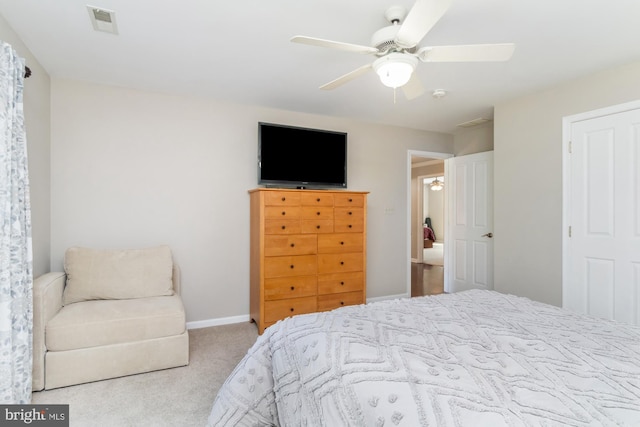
103,19
473,122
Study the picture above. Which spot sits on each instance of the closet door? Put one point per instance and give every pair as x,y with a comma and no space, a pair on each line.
604,218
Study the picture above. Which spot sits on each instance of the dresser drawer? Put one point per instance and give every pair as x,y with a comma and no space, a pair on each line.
340,263
329,302
317,199
317,226
319,212
282,226
294,244
355,225
286,266
279,309
347,214
282,212
290,287
281,198
340,282
355,200
349,220
340,243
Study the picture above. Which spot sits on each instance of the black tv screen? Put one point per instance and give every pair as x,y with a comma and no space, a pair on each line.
290,156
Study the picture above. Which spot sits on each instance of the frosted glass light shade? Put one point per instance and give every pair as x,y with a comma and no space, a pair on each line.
395,69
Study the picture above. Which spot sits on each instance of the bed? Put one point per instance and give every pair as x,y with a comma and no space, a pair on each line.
429,234
474,358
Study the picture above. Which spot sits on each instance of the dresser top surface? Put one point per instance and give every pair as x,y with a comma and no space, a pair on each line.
310,190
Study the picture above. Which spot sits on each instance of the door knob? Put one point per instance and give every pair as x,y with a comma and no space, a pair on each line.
489,235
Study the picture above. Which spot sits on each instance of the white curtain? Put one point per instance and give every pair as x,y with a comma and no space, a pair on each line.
16,273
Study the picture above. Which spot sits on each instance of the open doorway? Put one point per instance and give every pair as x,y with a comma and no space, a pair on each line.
427,269
433,220
427,219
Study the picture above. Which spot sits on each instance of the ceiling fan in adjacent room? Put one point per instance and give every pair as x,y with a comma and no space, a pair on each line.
397,50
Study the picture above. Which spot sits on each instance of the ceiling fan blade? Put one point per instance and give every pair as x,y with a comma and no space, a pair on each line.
346,78
467,53
413,88
422,17
334,45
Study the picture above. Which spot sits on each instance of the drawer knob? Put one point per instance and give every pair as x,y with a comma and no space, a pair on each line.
318,199
291,309
318,227
350,200
350,213
293,288
342,243
350,226
341,262
284,226
341,302
293,245
291,266
284,198
284,213
341,283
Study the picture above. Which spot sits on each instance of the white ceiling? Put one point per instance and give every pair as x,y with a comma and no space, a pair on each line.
239,50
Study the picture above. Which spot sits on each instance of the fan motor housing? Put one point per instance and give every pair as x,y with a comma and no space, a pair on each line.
385,40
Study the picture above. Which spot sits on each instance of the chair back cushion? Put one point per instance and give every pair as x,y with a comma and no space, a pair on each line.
94,274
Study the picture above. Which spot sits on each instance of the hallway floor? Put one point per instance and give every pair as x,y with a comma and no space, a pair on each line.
426,279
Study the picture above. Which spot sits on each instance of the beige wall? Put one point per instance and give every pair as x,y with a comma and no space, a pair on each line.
528,178
475,139
132,168
37,123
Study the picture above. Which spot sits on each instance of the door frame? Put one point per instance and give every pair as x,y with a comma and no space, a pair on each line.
567,124
431,155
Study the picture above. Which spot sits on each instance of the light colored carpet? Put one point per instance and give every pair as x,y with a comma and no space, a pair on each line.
171,397
435,255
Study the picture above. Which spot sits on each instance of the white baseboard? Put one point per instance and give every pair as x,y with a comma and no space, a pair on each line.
245,318
387,297
218,322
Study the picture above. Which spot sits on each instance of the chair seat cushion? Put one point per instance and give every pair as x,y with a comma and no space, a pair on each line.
105,322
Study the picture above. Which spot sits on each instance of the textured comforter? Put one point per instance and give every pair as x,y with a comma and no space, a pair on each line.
475,358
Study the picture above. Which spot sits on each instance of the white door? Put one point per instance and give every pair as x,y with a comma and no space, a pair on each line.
604,218
469,243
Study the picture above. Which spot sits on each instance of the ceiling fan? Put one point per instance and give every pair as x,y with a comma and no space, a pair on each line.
396,47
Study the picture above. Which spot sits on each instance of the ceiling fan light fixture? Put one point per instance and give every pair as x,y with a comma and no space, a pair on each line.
395,69
436,185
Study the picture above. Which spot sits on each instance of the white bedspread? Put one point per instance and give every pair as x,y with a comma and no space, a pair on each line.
475,358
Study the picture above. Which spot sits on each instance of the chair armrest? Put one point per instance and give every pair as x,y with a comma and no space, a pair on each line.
177,279
47,302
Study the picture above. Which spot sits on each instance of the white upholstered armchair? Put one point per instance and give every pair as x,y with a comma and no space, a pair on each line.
110,314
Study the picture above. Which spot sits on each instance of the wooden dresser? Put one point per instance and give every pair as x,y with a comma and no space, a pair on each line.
308,252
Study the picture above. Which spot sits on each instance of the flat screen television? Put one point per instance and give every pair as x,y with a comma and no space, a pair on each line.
296,157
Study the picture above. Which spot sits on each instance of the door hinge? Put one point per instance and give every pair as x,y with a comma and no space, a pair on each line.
569,231
570,148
